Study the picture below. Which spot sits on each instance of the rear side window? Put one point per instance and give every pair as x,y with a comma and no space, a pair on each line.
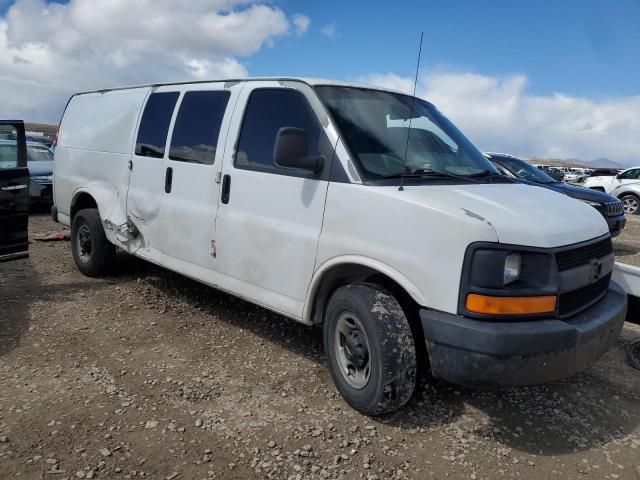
154,126
268,111
197,127
630,174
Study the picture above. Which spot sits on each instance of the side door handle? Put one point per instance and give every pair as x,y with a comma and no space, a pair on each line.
226,189
168,179
10,188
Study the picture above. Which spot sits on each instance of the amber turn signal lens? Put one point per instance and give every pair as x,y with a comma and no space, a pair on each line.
510,305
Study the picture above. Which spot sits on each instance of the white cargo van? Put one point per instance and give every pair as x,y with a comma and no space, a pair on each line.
360,209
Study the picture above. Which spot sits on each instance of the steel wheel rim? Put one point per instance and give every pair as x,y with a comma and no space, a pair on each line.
83,243
630,205
352,350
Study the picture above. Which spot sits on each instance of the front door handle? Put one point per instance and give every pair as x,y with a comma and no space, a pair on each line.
226,189
10,188
168,180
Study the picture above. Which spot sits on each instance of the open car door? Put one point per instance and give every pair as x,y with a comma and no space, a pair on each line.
14,191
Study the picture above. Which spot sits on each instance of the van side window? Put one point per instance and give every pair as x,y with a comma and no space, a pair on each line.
269,110
195,133
154,126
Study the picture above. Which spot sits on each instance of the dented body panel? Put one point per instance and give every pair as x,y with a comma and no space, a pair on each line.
93,150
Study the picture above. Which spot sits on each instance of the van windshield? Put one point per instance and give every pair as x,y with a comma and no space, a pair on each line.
375,127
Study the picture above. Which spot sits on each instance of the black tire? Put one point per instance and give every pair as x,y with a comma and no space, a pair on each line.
390,345
95,258
631,203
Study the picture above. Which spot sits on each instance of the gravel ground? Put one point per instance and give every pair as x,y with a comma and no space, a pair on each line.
148,374
627,244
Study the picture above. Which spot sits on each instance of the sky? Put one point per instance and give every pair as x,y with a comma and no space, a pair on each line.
555,79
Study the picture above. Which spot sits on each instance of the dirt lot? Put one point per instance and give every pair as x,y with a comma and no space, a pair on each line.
147,374
627,244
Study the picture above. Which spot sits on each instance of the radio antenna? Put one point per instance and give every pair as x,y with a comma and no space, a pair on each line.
413,100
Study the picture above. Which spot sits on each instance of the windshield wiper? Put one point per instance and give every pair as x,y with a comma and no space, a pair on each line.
417,174
423,173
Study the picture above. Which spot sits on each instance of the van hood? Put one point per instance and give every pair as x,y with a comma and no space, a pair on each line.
520,214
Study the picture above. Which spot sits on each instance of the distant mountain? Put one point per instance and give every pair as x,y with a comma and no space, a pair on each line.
576,162
572,162
606,163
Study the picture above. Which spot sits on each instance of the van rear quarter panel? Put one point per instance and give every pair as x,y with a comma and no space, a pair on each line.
95,143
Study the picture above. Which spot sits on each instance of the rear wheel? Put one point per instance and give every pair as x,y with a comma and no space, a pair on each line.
370,348
631,203
91,250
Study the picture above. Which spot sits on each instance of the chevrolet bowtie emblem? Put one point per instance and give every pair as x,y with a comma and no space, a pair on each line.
595,270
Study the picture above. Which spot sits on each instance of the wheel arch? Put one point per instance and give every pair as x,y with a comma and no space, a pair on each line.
82,199
342,270
628,192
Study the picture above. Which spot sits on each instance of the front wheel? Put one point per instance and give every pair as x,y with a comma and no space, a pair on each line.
371,351
91,250
631,203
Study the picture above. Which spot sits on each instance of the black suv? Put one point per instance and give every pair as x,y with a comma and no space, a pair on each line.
610,207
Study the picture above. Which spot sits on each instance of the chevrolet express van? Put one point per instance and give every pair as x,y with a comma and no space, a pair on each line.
359,209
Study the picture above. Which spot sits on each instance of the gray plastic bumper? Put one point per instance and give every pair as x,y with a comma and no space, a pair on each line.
477,352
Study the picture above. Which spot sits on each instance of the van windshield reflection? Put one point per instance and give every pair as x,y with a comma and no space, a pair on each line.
393,135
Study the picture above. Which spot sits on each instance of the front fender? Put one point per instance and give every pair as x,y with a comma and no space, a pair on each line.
364,261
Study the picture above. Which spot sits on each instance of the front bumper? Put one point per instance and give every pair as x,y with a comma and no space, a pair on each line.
616,224
40,192
478,352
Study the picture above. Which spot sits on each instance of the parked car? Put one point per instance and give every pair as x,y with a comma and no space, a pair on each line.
14,191
360,209
554,173
609,207
40,164
629,195
41,139
607,183
573,175
604,172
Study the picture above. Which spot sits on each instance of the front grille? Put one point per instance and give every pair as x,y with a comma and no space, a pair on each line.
614,209
575,300
575,257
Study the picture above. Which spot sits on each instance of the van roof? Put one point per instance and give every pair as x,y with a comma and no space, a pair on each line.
308,81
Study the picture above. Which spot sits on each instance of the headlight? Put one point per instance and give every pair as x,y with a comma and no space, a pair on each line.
500,268
593,204
512,265
507,280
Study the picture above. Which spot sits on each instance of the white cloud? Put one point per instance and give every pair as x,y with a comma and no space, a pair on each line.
301,23
330,30
498,114
49,50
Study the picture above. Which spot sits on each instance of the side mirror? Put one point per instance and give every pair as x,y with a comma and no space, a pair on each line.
292,150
